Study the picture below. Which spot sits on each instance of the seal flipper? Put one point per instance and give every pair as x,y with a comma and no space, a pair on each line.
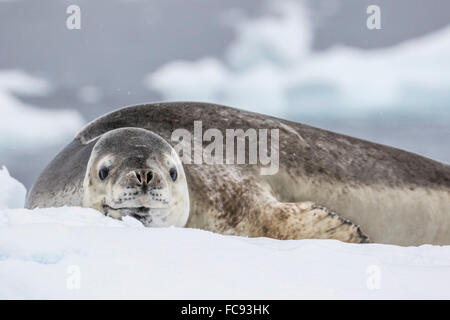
306,220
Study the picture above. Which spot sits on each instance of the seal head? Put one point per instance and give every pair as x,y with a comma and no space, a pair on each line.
134,172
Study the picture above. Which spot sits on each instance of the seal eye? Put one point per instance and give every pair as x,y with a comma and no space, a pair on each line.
173,174
103,173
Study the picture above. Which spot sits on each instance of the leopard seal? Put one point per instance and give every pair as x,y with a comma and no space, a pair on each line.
328,185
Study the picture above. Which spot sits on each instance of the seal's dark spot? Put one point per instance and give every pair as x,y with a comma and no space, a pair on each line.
103,173
173,174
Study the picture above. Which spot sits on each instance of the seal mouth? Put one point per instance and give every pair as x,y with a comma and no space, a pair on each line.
135,212
146,215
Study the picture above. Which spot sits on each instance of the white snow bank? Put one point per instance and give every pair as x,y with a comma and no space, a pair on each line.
65,253
12,192
24,127
78,253
271,68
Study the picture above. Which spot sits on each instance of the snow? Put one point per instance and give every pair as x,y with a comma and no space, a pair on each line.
32,128
271,68
77,253
12,192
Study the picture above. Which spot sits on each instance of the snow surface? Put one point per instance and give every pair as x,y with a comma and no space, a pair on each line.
271,68
12,192
31,127
74,253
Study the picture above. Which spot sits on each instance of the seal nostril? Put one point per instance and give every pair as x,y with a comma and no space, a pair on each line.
149,176
138,176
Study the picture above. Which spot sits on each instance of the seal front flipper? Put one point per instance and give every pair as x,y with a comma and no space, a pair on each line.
306,220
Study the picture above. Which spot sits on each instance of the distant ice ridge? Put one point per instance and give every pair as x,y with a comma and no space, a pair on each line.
24,127
77,253
271,68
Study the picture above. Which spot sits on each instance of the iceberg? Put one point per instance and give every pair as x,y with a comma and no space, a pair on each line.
270,67
25,127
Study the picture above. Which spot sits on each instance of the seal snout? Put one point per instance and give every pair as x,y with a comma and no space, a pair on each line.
143,188
142,177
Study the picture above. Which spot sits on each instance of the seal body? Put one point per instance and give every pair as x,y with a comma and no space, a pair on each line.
390,195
